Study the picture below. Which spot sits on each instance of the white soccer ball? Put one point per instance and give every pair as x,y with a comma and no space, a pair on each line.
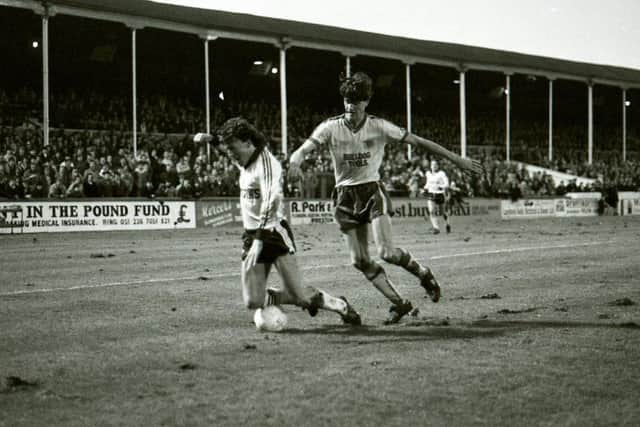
270,319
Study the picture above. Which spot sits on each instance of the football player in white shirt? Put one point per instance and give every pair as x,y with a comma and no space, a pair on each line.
268,239
436,190
356,142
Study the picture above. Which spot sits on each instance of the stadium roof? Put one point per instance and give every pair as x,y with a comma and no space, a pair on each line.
213,23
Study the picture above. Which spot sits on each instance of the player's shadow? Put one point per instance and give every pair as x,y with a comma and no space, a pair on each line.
370,334
552,324
425,330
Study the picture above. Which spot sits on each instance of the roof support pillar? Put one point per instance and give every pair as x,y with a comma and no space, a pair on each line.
408,84
45,77
624,125
507,100
283,97
463,116
590,124
134,91
207,89
550,119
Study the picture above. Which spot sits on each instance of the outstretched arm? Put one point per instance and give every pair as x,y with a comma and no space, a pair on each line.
463,163
296,159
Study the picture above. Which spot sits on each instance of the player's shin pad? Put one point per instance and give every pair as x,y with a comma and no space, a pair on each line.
411,265
380,280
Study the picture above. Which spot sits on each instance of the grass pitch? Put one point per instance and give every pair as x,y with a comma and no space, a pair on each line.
539,324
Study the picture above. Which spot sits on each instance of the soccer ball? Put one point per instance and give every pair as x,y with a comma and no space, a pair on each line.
270,319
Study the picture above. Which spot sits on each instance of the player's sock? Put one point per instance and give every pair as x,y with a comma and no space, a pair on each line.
434,222
407,262
279,297
318,300
380,280
446,221
331,303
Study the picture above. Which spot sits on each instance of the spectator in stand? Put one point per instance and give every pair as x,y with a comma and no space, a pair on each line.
92,169
414,183
90,187
4,179
201,159
309,182
108,180
109,162
15,190
185,190
142,179
58,190
200,181
215,184
125,179
76,188
81,164
167,159
66,167
49,173
169,174
166,189
35,185
182,168
34,172
11,164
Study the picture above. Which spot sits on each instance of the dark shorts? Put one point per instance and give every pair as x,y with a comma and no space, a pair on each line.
277,241
355,205
438,198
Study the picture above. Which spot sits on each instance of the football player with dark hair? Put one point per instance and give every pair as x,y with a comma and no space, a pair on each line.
267,239
356,141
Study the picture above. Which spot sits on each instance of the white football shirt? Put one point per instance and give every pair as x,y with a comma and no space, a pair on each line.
261,194
356,153
436,182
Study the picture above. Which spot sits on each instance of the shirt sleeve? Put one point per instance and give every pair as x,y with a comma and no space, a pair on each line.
321,134
270,172
392,132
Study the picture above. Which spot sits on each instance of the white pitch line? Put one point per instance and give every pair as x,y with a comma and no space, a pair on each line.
528,248
316,267
115,284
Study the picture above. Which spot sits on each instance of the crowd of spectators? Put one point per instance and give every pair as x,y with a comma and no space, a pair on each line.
100,162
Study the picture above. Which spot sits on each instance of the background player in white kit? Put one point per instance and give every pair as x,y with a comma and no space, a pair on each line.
356,143
268,239
436,189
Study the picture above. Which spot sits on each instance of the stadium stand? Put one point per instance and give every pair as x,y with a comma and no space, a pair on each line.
90,155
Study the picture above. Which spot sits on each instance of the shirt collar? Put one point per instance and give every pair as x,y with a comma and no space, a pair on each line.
253,157
357,128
